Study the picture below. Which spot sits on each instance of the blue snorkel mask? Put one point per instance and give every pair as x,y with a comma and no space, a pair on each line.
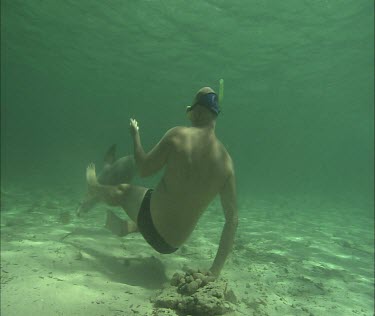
208,100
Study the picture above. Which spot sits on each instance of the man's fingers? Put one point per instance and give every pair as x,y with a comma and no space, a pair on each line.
133,121
134,124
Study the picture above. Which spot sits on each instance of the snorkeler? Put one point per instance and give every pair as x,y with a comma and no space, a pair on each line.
197,168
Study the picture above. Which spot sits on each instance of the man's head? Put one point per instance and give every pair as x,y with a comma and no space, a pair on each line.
205,106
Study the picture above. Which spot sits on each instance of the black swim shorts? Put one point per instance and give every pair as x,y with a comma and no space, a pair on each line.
147,228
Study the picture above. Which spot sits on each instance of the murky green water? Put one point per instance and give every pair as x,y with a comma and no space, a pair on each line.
298,85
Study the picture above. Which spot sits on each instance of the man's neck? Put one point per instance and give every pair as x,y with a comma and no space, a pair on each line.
206,125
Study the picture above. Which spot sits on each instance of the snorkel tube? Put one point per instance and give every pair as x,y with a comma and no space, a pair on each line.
221,92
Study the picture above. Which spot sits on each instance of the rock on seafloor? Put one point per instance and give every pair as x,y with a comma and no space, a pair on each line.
196,293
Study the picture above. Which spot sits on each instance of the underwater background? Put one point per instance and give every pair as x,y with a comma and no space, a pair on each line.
298,109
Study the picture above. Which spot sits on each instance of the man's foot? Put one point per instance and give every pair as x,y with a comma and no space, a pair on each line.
116,225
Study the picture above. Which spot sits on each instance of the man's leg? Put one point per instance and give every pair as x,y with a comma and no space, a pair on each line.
128,196
119,226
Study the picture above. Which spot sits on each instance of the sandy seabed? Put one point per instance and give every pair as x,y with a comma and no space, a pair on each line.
291,257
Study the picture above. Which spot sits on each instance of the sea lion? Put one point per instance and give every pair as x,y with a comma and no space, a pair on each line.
114,172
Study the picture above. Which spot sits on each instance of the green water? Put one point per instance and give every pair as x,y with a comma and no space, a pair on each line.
298,111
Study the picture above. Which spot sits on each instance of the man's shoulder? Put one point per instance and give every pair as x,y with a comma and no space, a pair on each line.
175,134
226,158
224,150
178,133
177,130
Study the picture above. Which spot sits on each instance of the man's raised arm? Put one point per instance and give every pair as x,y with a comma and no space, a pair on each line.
151,162
229,204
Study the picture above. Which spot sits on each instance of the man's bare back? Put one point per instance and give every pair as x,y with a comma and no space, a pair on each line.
197,168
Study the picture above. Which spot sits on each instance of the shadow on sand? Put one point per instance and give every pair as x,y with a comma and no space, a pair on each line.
147,272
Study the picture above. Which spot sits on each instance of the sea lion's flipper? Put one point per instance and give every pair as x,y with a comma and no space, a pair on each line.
110,155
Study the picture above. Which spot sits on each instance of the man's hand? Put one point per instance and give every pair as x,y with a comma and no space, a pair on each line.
134,128
214,272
